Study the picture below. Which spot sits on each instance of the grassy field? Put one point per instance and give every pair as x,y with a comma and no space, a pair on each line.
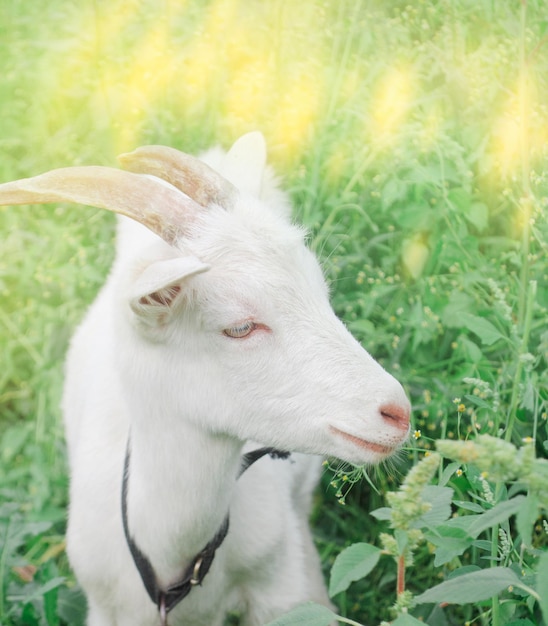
413,138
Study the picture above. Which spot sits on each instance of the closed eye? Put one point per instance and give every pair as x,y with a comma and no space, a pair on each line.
241,330
245,329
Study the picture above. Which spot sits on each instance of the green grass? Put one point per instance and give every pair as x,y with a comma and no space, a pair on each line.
413,139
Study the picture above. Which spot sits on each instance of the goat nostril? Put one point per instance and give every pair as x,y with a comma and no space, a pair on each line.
399,415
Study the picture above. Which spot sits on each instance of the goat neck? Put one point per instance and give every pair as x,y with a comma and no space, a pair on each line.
176,502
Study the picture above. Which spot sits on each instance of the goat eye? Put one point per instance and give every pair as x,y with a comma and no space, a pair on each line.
242,330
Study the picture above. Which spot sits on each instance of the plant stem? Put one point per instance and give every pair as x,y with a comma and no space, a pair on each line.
495,604
524,105
527,287
3,560
524,147
401,575
523,349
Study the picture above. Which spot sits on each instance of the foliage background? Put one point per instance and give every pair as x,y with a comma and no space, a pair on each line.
413,139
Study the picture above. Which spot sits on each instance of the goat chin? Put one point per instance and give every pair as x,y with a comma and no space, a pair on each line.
214,329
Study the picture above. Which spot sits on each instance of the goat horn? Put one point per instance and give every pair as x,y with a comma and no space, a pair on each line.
192,176
153,203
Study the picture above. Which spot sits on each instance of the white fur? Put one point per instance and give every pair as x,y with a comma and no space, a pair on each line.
192,397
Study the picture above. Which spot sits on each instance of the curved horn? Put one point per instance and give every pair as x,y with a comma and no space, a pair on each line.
153,203
192,176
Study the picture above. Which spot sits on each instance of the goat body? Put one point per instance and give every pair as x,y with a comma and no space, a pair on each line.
213,331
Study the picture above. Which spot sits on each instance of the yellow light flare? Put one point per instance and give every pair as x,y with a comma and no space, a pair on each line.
112,22
297,110
431,129
108,27
152,67
232,63
508,133
203,62
130,94
221,17
414,255
351,84
198,72
519,135
336,165
522,215
248,96
391,103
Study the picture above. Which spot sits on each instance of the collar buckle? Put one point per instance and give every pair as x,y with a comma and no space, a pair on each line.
162,609
196,577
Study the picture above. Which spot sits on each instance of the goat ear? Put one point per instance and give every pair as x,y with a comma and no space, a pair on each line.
155,290
245,162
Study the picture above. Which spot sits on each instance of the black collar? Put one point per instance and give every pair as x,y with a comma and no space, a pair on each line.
167,599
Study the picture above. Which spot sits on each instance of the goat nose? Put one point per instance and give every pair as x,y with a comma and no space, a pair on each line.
396,414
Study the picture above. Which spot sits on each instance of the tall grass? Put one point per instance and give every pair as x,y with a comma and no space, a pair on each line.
412,137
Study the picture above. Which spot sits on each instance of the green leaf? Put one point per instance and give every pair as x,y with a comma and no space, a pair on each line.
384,513
448,473
415,216
13,441
472,587
407,620
362,326
542,584
479,402
394,191
459,199
17,531
50,596
477,214
42,590
72,606
458,304
461,571
526,517
309,614
450,542
352,564
440,500
481,327
483,544
469,506
471,350
499,513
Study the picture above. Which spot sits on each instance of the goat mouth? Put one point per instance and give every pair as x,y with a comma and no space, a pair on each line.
363,443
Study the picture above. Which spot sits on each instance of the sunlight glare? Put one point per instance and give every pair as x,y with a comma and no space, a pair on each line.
391,102
517,138
299,108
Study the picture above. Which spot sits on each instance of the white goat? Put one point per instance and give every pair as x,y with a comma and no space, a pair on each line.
214,329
